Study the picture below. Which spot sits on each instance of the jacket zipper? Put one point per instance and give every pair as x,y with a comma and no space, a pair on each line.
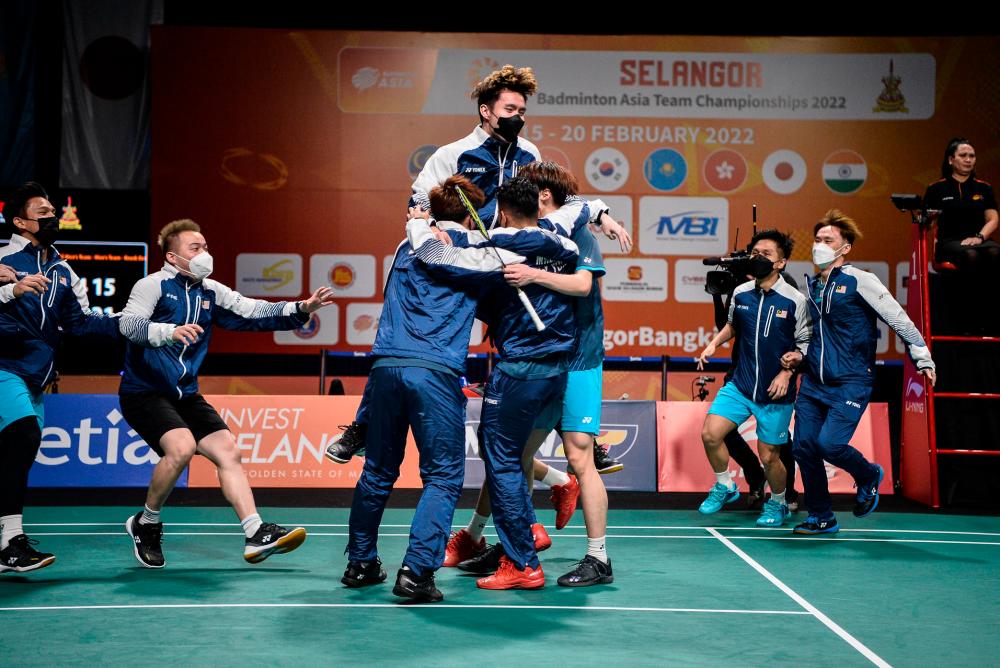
180,357
756,348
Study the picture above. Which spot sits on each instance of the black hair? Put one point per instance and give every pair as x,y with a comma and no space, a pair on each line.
18,203
519,196
783,240
949,152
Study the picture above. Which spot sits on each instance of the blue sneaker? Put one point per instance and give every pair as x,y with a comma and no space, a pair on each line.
718,496
868,495
773,515
813,525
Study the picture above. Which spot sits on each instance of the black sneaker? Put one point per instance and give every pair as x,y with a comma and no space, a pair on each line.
21,557
756,497
147,539
418,588
588,572
349,443
363,573
792,499
272,539
604,462
867,500
484,563
813,525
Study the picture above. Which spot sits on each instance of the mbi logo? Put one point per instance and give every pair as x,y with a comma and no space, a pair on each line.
688,224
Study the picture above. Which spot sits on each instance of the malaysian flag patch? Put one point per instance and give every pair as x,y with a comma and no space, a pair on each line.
841,289
781,313
205,304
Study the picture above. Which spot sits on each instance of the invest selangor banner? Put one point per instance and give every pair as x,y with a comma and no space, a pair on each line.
319,134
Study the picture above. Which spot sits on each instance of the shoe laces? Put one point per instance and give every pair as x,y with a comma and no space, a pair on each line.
719,492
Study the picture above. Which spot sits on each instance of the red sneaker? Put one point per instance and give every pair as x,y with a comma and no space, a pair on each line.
564,500
461,547
509,577
541,536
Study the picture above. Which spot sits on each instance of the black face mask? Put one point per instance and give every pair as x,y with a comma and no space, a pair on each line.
760,266
509,127
48,230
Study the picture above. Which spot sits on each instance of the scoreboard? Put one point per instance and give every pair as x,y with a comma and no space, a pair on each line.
109,268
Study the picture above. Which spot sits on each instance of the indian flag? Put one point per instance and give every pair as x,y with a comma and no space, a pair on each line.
844,172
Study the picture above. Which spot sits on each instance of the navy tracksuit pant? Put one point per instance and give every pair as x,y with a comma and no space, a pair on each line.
510,407
825,419
433,405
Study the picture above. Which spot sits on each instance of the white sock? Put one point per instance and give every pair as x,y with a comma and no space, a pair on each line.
596,549
780,498
11,527
250,524
725,479
555,477
476,526
149,516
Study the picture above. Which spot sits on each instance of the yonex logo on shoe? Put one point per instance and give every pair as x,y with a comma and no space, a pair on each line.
266,538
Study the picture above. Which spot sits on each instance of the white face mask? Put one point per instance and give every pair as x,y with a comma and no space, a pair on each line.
823,255
199,267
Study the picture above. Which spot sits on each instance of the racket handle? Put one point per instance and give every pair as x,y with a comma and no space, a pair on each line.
539,325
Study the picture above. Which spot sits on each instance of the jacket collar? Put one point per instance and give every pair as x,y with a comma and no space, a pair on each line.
174,273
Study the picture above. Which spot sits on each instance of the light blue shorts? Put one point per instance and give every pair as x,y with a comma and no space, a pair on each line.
17,401
772,419
580,409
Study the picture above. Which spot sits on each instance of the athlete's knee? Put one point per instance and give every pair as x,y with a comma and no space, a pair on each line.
178,450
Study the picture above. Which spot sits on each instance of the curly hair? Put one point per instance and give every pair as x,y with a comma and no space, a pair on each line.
518,79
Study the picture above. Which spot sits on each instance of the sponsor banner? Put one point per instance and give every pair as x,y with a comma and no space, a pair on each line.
351,183
683,225
690,341
689,282
631,280
362,323
269,274
87,443
378,80
282,441
323,329
621,210
683,466
346,275
656,84
628,430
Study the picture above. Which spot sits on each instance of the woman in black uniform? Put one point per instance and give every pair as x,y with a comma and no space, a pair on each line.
968,211
967,220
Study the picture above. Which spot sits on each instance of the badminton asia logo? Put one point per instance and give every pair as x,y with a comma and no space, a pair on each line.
372,77
92,443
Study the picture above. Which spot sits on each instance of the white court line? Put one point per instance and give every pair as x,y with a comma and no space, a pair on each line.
398,606
829,623
462,526
565,535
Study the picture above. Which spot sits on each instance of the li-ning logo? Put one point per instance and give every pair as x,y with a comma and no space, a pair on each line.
914,388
